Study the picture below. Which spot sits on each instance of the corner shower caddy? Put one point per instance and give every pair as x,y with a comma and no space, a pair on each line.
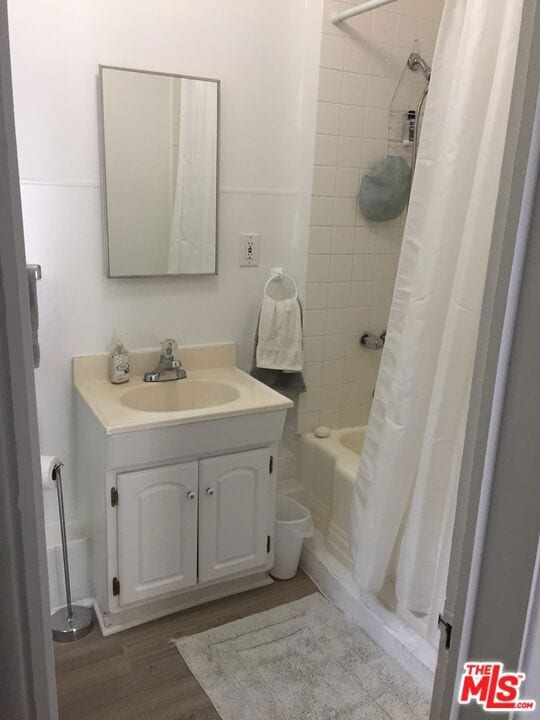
404,121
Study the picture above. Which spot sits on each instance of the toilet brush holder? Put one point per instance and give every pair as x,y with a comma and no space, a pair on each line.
73,621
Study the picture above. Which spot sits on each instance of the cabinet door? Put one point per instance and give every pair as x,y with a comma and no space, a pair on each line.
157,531
234,511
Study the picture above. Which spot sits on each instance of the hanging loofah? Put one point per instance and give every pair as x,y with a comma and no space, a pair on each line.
384,191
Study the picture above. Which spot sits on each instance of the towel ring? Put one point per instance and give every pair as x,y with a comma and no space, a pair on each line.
279,276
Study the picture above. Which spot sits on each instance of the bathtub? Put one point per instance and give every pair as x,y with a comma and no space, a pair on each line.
327,470
327,473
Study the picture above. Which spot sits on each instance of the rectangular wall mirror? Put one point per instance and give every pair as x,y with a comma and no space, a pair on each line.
160,135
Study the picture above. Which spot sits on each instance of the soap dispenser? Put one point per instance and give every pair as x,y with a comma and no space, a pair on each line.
119,364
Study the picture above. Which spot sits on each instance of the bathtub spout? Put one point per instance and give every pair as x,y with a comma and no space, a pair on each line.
371,341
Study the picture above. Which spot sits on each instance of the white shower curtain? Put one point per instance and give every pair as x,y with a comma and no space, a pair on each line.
193,222
412,453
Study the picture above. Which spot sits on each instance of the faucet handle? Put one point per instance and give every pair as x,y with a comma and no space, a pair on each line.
168,347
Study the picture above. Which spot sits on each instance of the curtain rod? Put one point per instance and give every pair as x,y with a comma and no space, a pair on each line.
358,9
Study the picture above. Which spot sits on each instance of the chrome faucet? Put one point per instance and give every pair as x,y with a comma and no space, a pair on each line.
169,368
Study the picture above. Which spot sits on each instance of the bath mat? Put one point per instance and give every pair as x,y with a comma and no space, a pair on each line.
300,661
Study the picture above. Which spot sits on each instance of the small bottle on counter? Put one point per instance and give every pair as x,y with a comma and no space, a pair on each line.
119,364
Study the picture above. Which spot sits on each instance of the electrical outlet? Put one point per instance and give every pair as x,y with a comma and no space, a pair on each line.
249,249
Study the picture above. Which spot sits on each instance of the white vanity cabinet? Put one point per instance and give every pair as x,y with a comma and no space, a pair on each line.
192,523
177,487
177,515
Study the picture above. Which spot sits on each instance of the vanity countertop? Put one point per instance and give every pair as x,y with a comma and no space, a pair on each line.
208,365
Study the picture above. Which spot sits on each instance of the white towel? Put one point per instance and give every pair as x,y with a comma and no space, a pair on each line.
280,335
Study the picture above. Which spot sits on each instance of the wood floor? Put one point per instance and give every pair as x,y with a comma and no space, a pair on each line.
136,674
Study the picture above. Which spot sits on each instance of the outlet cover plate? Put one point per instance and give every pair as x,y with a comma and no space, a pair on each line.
249,249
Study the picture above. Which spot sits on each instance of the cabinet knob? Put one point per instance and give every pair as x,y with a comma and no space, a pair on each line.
210,491
191,495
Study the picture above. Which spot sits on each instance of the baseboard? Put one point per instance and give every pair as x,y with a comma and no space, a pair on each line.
112,623
85,602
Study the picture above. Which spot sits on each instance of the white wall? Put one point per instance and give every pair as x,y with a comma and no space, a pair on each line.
266,55
352,262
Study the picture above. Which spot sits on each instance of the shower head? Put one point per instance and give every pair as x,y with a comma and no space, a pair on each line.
416,62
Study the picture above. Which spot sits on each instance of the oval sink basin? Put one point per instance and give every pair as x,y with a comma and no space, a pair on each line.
179,395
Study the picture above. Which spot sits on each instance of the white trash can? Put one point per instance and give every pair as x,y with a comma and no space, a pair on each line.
293,524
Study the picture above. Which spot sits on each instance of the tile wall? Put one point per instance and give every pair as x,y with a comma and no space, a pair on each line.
352,262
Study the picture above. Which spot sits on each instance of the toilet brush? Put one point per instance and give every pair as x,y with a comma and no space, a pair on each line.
73,621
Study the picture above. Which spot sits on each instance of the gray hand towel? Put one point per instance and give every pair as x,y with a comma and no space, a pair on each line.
276,379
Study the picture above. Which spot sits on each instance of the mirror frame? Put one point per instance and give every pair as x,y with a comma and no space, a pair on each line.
104,173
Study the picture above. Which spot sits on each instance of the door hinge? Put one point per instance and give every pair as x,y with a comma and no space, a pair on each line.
446,628
268,543
271,464
115,586
114,497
